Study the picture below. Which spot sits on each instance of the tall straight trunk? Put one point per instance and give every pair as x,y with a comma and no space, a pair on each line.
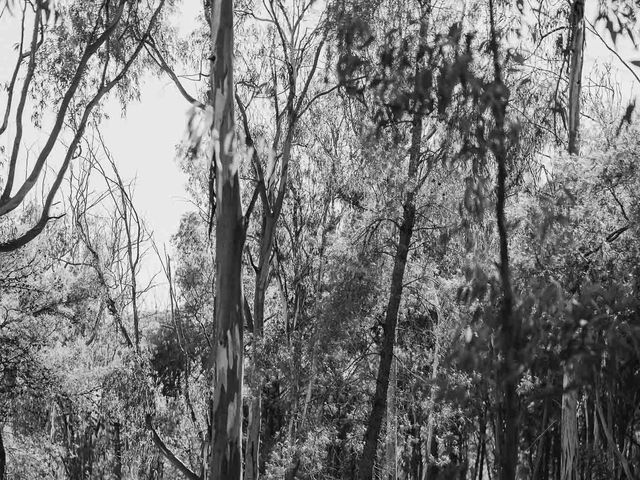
537,468
569,432
225,461
3,455
117,452
426,457
575,73
569,428
254,424
508,334
391,463
272,207
391,318
584,467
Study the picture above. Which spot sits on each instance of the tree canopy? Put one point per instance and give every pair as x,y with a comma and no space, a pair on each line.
413,249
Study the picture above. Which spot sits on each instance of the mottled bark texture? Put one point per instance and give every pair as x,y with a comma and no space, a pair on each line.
225,462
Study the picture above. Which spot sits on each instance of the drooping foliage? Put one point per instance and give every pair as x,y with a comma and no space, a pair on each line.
420,251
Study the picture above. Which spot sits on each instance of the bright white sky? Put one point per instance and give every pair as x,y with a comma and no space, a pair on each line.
144,143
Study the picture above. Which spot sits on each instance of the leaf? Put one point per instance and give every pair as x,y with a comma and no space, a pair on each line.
612,31
626,118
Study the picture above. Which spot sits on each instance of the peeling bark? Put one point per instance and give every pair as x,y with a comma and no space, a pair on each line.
225,461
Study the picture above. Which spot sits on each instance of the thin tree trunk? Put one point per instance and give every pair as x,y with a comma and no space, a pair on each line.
117,452
483,449
254,424
575,73
271,210
508,333
316,313
270,216
612,442
569,431
376,416
225,462
391,464
432,399
537,468
585,472
391,319
3,455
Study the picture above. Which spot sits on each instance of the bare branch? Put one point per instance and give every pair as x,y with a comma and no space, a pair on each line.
13,202
314,67
8,203
612,50
14,76
162,63
261,187
20,110
168,454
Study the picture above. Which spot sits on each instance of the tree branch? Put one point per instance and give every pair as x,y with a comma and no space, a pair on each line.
13,202
175,461
8,203
162,63
6,193
612,50
14,76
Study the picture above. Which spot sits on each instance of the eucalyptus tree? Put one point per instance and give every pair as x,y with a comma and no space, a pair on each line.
412,56
569,456
297,36
71,56
226,418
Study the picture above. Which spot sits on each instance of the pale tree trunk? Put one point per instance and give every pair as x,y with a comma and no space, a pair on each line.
254,424
569,431
432,400
391,464
225,461
316,313
272,206
272,194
